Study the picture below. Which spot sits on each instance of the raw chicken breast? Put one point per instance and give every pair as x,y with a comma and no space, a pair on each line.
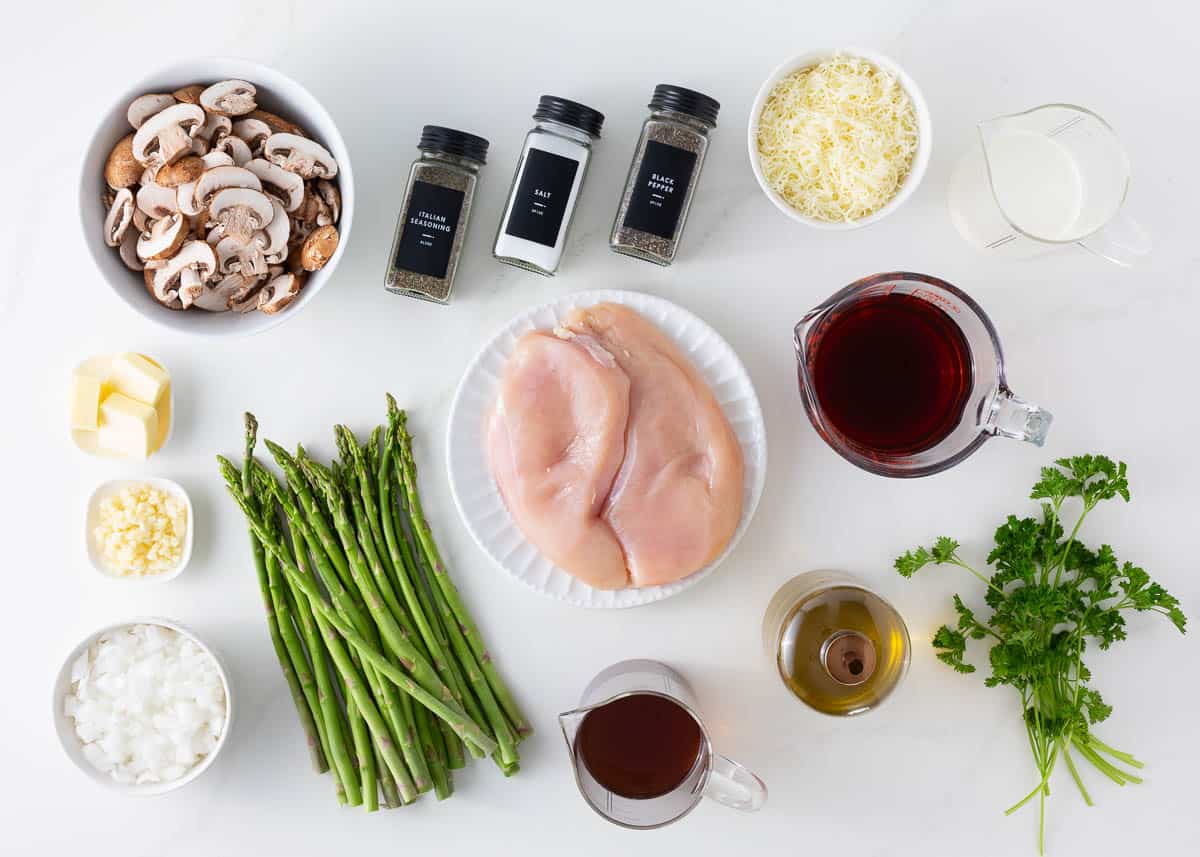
677,499
556,440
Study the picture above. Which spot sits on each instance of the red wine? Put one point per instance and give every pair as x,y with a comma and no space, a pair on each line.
639,746
891,373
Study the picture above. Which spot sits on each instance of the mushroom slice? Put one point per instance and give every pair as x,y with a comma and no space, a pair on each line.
168,281
277,124
163,238
307,158
186,192
200,146
274,239
254,131
218,178
278,182
219,296
279,293
215,127
237,149
236,257
318,248
186,169
122,168
172,302
167,135
332,197
145,106
157,201
189,94
120,215
229,98
128,251
240,212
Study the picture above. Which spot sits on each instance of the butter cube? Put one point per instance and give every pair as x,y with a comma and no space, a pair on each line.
138,378
85,402
127,427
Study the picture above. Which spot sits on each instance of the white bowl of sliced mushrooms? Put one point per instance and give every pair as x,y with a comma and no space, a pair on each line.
216,197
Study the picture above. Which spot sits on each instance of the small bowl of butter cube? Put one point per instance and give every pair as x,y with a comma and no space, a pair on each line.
140,529
121,406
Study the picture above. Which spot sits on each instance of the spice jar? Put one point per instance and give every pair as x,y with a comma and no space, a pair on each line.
663,176
434,213
546,185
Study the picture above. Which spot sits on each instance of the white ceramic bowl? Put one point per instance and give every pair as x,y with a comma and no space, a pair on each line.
924,131
65,726
276,93
105,490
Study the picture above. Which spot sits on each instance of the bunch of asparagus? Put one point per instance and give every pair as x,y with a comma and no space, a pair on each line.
388,672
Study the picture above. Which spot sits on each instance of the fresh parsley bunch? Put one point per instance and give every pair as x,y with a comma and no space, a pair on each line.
1050,598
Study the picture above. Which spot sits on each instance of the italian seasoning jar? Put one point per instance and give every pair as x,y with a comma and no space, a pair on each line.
663,176
545,188
434,213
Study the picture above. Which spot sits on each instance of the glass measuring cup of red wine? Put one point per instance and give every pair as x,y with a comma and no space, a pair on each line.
641,753
903,375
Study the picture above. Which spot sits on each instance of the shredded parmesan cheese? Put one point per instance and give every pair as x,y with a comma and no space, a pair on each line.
837,140
141,531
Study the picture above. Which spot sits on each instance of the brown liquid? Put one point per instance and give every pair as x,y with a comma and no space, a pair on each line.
639,746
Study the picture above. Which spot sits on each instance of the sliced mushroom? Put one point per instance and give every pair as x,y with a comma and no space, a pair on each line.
185,170
332,197
194,256
240,212
277,124
172,302
279,293
279,182
274,239
187,192
219,178
218,296
120,215
189,94
122,168
141,221
145,106
128,251
318,248
236,148
162,239
236,257
306,158
200,146
215,127
157,201
254,131
229,98
167,135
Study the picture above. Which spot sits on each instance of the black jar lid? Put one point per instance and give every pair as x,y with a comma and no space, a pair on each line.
568,112
682,100
435,138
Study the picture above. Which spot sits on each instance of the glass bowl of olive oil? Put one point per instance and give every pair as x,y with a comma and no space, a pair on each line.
837,646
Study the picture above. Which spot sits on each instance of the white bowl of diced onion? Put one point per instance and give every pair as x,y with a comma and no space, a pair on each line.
122,554
197,677
920,160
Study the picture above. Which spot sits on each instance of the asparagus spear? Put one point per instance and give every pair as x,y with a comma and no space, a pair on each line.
245,486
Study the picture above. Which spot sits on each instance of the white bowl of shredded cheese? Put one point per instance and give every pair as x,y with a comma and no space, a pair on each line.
142,707
140,530
839,139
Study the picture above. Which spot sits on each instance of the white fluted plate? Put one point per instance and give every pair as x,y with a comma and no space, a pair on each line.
475,492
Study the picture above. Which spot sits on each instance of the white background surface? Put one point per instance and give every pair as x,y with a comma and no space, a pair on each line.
1110,352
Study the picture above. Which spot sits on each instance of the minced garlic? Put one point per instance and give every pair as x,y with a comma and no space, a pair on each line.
141,531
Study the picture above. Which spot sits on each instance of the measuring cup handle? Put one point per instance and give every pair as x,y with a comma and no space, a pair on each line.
1123,241
1012,416
735,785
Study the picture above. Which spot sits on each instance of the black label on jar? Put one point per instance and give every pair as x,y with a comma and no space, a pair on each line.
658,194
429,226
540,202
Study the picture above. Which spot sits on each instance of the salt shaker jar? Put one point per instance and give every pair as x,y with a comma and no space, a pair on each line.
546,185
433,216
664,173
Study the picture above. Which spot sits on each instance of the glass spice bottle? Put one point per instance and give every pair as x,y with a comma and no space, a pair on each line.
664,173
546,185
434,214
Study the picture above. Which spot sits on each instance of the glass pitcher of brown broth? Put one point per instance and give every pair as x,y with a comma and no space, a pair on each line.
837,646
641,753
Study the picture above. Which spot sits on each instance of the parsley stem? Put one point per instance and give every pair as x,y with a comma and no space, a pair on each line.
1087,798
1108,769
1116,754
956,560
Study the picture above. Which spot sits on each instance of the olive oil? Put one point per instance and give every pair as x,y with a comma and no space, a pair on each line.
838,647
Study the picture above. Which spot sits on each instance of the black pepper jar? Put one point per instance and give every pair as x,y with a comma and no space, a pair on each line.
434,214
663,176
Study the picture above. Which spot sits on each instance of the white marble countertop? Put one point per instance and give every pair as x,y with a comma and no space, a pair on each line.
1109,351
